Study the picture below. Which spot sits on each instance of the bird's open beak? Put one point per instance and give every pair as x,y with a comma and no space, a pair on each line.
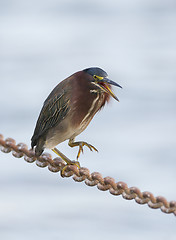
103,84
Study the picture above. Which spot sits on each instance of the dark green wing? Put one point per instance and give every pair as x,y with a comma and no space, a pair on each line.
53,112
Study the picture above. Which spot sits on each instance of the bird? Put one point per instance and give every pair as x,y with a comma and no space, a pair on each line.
68,110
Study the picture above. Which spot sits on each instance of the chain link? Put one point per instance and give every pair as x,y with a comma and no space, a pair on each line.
83,174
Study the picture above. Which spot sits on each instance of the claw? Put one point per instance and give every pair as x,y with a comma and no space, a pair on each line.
73,163
81,145
67,160
80,150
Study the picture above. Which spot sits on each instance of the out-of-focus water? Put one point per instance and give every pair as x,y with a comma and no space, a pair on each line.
41,43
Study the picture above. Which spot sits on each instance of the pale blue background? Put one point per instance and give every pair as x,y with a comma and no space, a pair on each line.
41,43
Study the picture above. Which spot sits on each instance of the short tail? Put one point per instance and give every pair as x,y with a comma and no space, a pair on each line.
39,146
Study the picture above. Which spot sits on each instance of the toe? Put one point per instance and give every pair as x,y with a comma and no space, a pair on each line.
94,148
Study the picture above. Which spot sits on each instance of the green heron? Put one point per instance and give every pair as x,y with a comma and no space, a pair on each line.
69,109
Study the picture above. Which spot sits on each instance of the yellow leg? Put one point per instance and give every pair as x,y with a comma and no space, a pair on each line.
66,159
71,143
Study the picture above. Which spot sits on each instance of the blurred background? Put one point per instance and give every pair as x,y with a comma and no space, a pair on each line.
43,42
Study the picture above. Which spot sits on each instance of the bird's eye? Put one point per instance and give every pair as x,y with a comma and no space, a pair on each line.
95,77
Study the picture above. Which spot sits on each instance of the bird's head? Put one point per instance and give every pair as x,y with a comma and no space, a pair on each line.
100,79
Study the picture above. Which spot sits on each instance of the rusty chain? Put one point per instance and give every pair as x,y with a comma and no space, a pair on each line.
83,174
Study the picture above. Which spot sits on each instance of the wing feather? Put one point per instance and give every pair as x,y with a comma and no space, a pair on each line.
53,112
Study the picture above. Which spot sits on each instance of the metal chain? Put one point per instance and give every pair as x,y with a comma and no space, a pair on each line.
90,179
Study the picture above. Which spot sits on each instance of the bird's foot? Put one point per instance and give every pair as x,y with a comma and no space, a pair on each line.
81,145
76,163
67,160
